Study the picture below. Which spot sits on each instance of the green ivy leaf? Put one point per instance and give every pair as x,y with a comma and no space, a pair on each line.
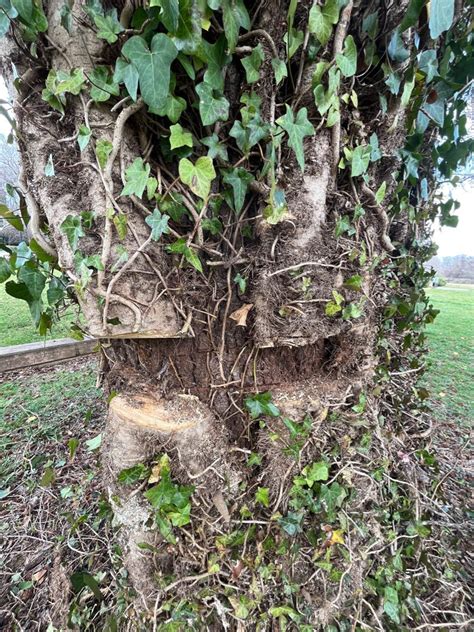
261,404
136,178
5,271
216,149
198,176
103,85
280,69
211,108
396,48
173,108
133,474
262,496
441,16
34,280
158,224
360,160
127,73
180,137
153,65
235,17
380,194
354,283
103,148
352,310
120,223
239,179
428,63
296,128
277,208
347,60
72,228
252,64
83,137
180,247
109,26
169,13
318,25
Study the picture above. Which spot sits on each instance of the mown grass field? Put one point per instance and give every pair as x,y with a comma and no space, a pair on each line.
450,377
16,325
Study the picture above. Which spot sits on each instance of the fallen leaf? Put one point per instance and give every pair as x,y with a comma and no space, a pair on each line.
240,315
337,537
39,575
237,569
155,474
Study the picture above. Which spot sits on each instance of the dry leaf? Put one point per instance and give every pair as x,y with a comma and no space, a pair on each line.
155,474
240,315
39,575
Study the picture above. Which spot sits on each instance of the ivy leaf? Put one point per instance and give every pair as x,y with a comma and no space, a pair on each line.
133,474
262,496
441,16
360,160
211,108
198,176
380,194
120,223
11,218
153,65
296,128
127,73
347,60
180,137
354,283
353,310
7,11
169,13
83,137
158,224
235,17
103,85
318,25
216,148
412,14
109,26
72,228
252,64
173,108
249,135
5,271
30,275
428,63
49,167
279,68
180,247
239,179
103,148
136,177
261,404
277,207
396,48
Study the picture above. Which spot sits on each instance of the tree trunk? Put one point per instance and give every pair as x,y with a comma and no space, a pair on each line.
283,291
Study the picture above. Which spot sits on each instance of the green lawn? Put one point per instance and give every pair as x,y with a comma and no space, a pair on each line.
16,325
450,378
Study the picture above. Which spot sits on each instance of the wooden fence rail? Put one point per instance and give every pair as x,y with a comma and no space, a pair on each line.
36,354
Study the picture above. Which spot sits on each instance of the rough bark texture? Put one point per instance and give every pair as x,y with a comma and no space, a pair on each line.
179,356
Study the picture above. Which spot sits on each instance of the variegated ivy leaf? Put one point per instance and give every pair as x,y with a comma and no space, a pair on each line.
198,176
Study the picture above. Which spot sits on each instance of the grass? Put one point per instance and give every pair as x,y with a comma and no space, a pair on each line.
16,324
450,378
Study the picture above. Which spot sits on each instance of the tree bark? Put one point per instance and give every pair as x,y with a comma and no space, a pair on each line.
190,347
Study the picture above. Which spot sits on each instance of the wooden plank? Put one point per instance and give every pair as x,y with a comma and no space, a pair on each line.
42,353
